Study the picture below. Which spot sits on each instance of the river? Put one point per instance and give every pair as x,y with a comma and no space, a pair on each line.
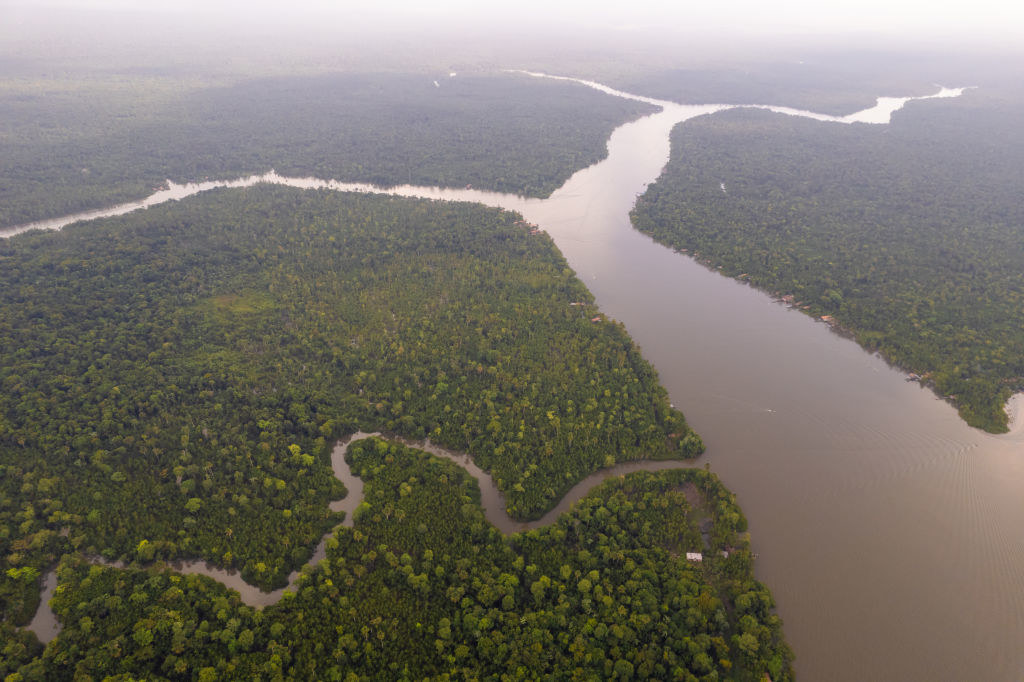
47,627
890,533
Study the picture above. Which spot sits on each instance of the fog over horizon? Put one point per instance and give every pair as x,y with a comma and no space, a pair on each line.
902,19
401,32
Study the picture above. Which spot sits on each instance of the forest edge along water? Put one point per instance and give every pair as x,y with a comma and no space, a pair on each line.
46,626
879,114
887,529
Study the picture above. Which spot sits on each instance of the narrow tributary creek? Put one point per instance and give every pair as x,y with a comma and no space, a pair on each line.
890,533
46,626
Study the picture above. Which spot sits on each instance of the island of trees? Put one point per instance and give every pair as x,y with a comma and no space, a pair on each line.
907,236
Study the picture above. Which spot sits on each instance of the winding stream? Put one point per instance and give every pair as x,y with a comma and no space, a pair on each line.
47,627
890,533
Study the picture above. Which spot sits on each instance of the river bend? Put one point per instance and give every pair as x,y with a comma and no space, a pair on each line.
890,533
47,627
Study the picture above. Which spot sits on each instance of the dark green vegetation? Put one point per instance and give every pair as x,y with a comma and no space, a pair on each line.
70,147
173,380
910,235
424,588
17,648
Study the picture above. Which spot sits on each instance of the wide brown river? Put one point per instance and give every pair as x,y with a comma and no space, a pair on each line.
890,533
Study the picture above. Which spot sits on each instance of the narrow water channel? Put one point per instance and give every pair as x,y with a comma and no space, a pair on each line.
890,533
47,627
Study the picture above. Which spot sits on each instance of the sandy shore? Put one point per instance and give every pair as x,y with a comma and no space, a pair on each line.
1015,410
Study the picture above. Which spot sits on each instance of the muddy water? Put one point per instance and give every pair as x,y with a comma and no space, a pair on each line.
493,502
44,623
891,534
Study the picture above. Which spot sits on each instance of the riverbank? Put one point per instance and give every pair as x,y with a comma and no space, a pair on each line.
46,627
850,464
1015,415
422,566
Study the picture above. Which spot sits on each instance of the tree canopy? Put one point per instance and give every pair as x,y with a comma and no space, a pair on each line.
909,236
91,144
174,379
424,588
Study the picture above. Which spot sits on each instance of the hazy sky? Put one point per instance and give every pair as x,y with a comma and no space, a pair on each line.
230,37
888,17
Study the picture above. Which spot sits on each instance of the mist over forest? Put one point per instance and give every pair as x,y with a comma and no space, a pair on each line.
177,381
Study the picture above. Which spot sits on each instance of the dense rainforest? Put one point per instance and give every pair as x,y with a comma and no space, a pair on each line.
423,587
827,82
174,380
909,236
68,147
